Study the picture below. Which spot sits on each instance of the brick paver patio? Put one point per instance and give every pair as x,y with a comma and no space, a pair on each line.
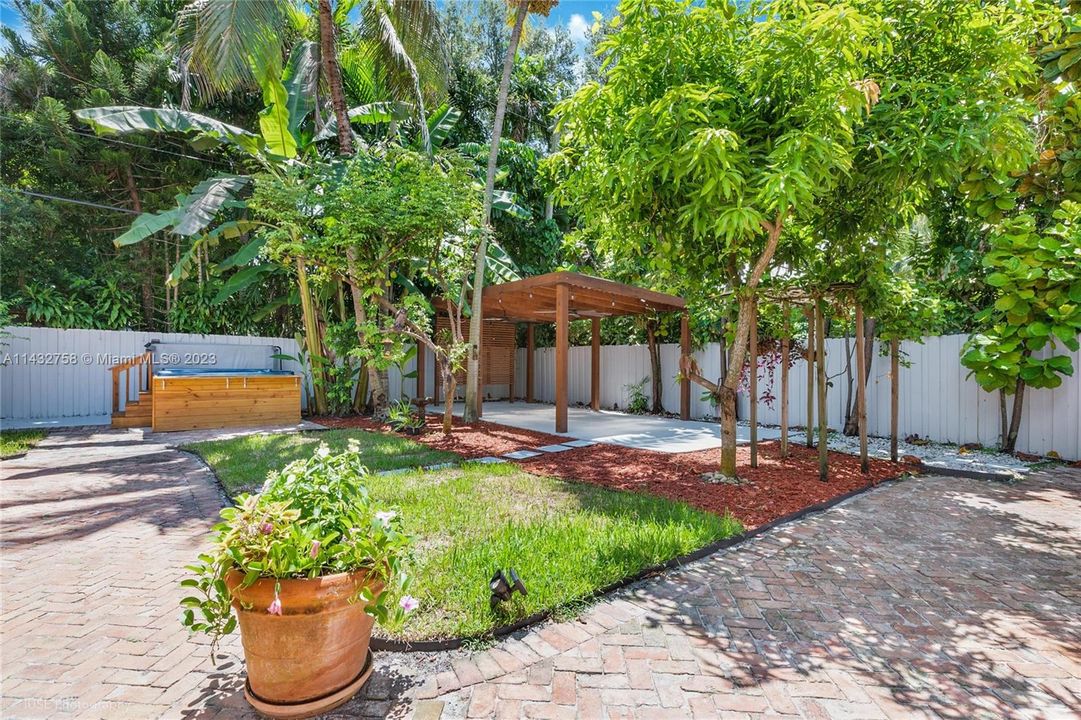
934,597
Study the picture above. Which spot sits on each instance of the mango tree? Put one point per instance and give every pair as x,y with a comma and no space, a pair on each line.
715,127
728,134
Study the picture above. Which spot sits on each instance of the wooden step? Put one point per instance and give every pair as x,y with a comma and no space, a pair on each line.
137,410
120,421
135,414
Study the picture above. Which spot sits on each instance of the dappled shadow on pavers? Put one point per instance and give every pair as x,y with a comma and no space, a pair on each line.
932,598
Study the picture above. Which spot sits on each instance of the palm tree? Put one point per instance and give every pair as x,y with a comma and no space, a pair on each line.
229,44
404,41
472,383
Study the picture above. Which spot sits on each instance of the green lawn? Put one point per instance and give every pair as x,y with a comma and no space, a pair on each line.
16,442
242,463
565,539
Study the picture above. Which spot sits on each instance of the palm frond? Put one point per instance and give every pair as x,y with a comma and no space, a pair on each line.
229,43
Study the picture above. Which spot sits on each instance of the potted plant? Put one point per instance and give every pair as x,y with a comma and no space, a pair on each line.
304,568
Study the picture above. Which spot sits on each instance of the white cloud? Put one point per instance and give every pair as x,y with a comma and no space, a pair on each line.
579,29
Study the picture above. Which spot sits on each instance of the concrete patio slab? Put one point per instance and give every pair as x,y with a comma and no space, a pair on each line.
642,432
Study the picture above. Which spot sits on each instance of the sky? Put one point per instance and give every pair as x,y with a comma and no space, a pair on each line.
576,15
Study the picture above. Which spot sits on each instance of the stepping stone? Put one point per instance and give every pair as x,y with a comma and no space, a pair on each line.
521,454
580,443
488,460
396,471
555,448
440,466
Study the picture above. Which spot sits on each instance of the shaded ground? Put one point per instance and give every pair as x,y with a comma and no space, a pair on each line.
927,598
932,597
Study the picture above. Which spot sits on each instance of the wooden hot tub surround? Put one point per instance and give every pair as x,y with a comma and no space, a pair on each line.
201,400
194,402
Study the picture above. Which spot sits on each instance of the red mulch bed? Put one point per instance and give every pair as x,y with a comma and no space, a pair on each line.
470,441
774,489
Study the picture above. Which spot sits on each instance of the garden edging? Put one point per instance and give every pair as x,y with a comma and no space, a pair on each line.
503,631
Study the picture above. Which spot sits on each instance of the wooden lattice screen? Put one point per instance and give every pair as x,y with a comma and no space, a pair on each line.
497,346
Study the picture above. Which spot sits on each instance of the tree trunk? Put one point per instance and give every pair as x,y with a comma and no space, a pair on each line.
1015,416
333,74
311,337
378,391
449,385
1003,421
820,365
422,114
146,271
851,425
656,385
471,413
549,201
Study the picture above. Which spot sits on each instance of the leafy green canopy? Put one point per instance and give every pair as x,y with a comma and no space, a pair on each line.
1037,277
710,122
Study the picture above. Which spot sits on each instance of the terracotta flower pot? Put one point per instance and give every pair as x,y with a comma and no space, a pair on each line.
312,657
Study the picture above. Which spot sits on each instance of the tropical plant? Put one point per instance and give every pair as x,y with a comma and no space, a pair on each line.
313,518
402,416
1037,278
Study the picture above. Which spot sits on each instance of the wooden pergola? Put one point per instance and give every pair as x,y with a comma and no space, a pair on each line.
560,297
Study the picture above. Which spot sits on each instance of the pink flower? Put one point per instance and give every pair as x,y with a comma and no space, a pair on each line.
275,607
314,552
409,603
266,528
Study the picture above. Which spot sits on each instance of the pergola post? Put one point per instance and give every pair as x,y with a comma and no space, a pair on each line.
810,313
595,366
861,390
784,383
685,350
513,362
820,364
421,371
752,352
562,349
529,344
895,382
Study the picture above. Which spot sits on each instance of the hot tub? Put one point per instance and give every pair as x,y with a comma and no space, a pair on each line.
195,398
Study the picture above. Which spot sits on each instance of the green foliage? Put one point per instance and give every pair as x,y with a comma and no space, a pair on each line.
402,416
17,442
639,402
566,539
314,517
711,121
1037,279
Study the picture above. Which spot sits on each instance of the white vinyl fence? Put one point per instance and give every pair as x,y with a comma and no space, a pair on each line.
936,399
63,375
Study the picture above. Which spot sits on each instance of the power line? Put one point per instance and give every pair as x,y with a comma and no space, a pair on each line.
117,141
73,201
